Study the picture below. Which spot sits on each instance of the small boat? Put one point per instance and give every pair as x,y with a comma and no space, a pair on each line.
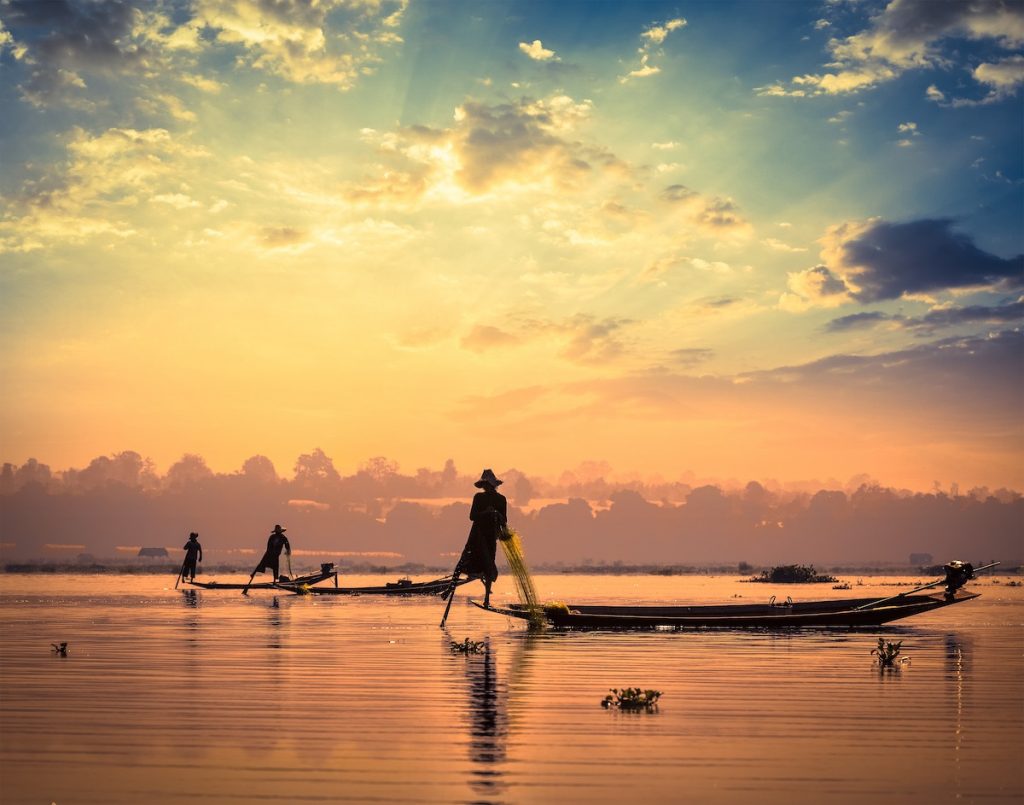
857,612
848,612
400,587
326,571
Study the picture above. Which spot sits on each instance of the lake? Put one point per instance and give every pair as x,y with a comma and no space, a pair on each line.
190,696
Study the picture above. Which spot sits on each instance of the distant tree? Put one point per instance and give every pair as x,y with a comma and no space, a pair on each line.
316,469
380,468
260,469
189,470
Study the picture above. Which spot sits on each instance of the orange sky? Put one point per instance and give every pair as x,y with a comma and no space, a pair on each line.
526,241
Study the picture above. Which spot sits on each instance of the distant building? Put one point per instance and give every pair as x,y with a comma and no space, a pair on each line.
153,552
921,559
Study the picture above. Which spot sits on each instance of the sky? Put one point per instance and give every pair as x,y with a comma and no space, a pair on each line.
738,239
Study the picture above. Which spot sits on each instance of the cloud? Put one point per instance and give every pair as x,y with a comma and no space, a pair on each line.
856,321
652,38
329,42
780,246
536,51
94,191
523,144
688,357
582,339
879,260
59,40
711,214
657,33
484,337
814,287
906,35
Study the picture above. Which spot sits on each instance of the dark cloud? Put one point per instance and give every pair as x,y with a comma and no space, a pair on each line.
948,317
888,260
63,37
856,321
677,192
933,319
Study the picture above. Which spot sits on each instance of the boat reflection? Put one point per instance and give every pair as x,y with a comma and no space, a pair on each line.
957,672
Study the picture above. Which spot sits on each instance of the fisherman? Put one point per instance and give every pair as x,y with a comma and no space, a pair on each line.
193,553
489,514
272,558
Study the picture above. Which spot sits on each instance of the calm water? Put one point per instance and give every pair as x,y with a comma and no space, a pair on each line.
171,696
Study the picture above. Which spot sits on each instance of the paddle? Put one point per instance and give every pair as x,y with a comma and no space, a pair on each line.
873,604
181,574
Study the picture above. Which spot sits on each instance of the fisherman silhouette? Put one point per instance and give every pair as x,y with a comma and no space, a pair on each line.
489,514
193,553
272,558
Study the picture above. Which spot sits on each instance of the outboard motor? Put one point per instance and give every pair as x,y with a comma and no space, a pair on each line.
957,575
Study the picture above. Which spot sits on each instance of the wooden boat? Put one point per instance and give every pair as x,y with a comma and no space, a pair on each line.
854,612
325,572
400,587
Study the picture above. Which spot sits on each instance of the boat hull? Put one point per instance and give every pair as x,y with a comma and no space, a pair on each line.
434,587
813,614
298,581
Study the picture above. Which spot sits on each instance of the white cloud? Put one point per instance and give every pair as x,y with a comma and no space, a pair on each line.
658,33
653,37
536,51
907,35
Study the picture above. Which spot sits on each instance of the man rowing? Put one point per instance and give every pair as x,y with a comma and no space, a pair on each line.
272,557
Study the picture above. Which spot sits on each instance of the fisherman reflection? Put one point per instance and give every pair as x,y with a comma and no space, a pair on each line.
489,721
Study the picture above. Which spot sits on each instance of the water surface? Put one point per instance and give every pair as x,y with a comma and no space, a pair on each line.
175,696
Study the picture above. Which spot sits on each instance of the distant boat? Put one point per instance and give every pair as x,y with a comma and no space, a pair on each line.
326,571
401,587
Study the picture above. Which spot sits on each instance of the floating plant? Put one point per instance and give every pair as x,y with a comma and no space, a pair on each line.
632,699
888,653
467,646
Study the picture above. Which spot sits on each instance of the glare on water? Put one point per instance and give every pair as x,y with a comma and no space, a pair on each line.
168,695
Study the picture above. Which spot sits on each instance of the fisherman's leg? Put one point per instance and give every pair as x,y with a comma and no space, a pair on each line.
487,592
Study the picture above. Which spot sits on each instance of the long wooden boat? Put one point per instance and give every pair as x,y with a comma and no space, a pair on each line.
400,587
853,612
290,585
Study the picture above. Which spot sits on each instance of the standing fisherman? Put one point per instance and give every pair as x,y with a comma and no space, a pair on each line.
193,553
489,514
272,558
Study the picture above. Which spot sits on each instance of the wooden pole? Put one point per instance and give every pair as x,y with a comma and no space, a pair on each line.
181,573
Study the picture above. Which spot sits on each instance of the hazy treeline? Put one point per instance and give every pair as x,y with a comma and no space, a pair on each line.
120,500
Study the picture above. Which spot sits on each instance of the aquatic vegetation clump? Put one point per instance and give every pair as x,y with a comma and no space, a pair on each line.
888,653
513,548
632,699
793,574
467,646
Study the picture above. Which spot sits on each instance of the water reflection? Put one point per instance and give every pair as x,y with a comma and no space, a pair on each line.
190,598
957,666
488,711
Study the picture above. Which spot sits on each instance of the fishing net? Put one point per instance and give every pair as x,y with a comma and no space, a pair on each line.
513,548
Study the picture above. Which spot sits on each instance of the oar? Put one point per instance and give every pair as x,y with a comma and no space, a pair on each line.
180,574
916,590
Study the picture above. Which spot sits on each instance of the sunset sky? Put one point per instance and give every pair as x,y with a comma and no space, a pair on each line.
740,239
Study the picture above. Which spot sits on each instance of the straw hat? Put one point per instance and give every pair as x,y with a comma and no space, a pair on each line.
487,478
